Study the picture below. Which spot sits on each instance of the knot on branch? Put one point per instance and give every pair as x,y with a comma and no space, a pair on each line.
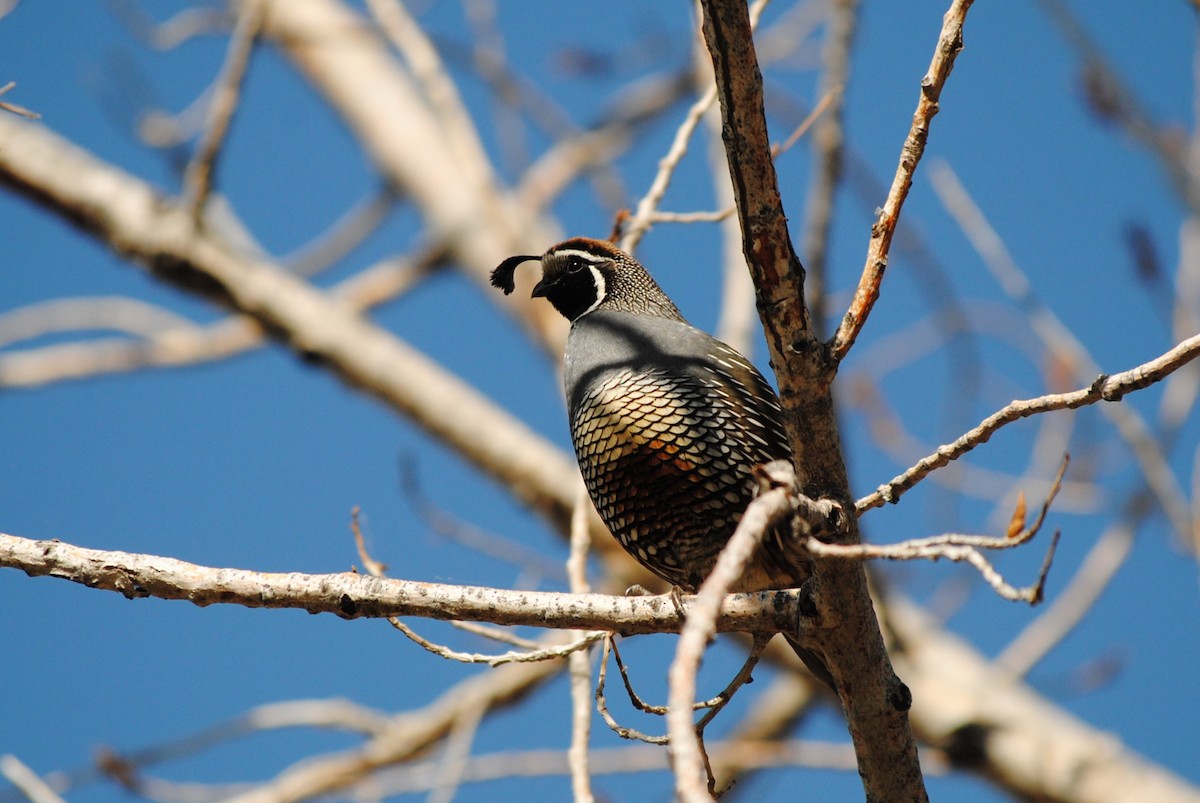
822,518
1106,390
899,695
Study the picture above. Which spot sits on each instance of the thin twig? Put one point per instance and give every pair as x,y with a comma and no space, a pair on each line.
716,216
14,108
373,567
1033,594
198,177
497,634
634,698
965,548
1069,607
579,667
966,479
1105,388
693,781
830,100
717,701
540,653
743,676
949,45
639,223
610,648
513,657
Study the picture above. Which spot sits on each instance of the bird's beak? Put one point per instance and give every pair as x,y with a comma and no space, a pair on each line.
542,288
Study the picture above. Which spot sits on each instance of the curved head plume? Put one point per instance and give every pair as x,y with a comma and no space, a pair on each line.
502,276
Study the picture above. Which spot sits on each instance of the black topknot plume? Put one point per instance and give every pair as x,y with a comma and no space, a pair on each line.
502,276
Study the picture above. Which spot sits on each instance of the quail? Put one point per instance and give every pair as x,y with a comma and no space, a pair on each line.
667,422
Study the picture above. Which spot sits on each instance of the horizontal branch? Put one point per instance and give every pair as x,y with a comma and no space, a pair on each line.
356,596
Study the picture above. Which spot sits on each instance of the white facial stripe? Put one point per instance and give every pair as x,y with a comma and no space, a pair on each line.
586,256
601,289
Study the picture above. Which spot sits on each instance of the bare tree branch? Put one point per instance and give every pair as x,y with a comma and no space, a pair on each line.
1059,339
353,596
223,103
1106,388
179,346
873,698
349,64
1006,732
407,735
129,215
691,778
948,47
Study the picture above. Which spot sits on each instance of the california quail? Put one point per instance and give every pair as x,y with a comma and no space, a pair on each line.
667,421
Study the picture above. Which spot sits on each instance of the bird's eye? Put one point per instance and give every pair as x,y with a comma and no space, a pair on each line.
575,265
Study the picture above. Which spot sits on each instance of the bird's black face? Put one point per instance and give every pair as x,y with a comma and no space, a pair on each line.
575,275
573,280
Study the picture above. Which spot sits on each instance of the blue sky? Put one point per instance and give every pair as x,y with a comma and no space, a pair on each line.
256,462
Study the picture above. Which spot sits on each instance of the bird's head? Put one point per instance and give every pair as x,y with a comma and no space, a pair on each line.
581,275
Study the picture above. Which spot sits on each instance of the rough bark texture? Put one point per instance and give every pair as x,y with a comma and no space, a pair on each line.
874,700
355,596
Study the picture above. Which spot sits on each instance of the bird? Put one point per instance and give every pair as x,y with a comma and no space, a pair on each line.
668,423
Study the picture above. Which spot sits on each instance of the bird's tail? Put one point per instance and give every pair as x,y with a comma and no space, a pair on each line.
814,662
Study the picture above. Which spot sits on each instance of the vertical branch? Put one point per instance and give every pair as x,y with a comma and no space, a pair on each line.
778,274
687,752
949,44
848,636
579,666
